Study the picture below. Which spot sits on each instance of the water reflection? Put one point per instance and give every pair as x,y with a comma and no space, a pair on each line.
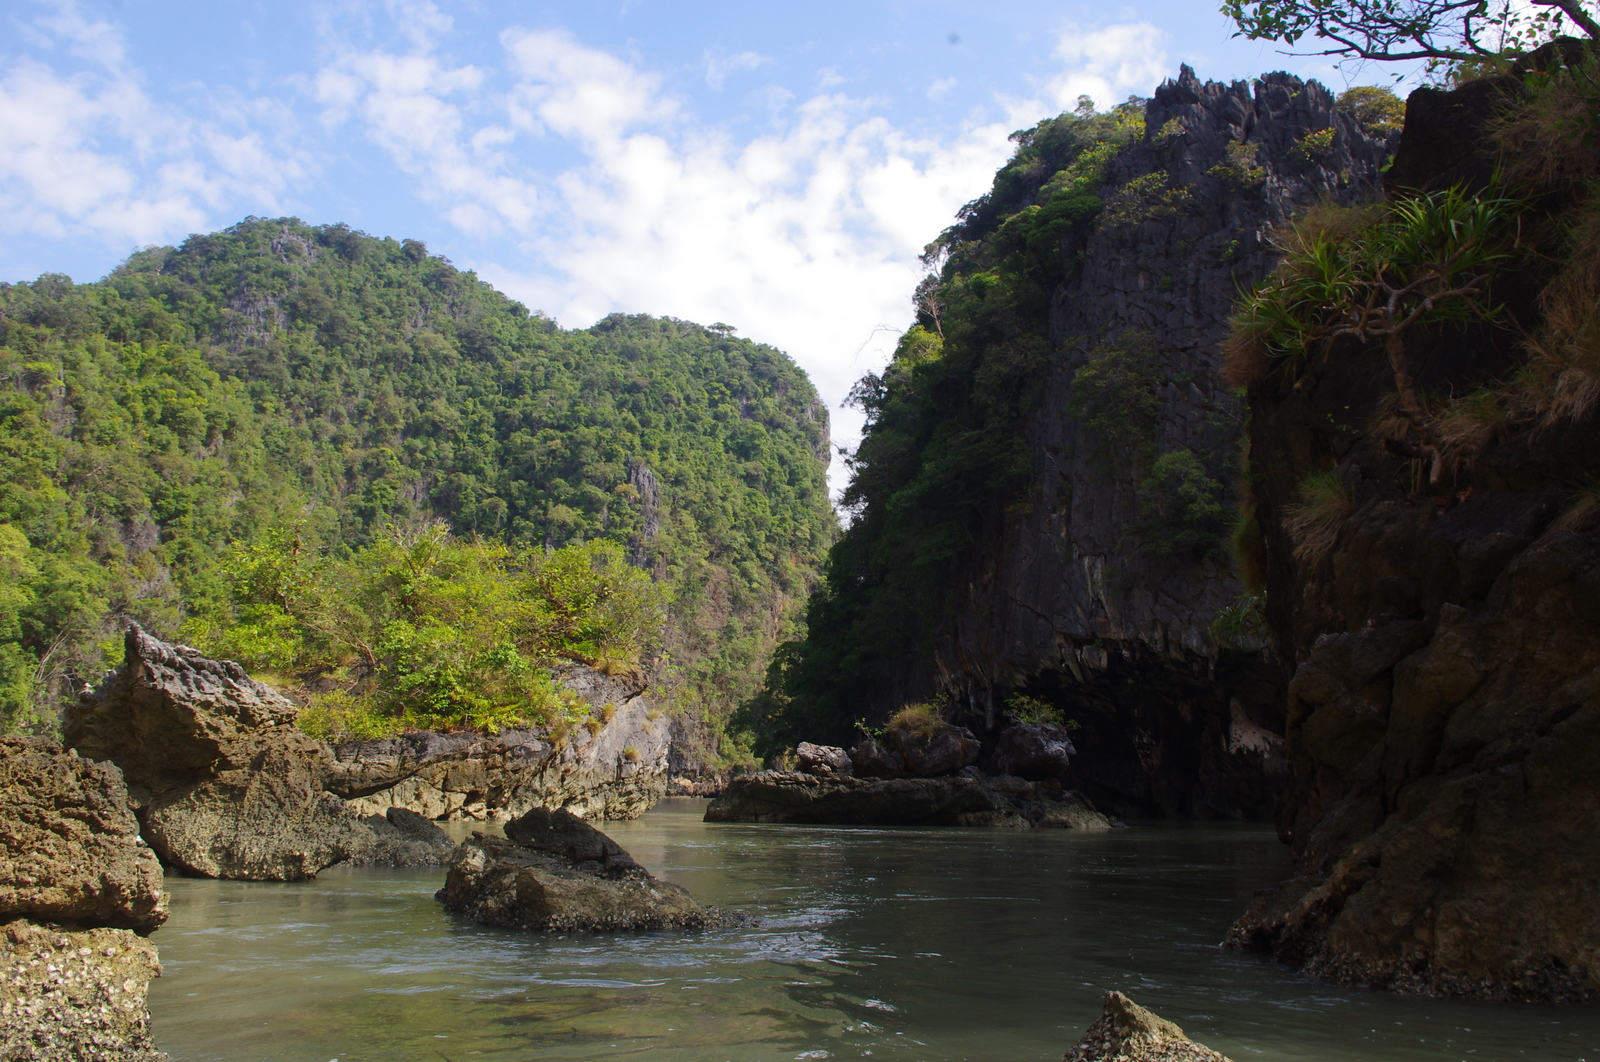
913,945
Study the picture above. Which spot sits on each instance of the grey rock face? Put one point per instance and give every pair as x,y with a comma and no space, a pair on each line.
556,873
1072,593
966,799
1126,1032
872,758
944,749
1033,750
617,773
75,994
69,845
221,781
823,759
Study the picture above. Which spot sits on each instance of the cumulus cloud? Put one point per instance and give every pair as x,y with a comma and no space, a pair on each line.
1108,64
88,152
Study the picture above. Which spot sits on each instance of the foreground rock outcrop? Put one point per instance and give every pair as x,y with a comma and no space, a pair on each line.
75,994
1445,701
617,771
553,872
70,851
966,799
222,782
1126,1032
77,888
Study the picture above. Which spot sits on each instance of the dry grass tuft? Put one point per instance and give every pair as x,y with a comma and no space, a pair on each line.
919,718
1582,513
1245,358
1548,139
1313,522
1468,425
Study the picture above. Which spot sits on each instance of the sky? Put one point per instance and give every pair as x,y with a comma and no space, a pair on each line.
776,167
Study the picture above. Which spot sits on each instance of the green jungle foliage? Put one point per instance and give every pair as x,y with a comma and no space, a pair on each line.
426,631
942,458
278,379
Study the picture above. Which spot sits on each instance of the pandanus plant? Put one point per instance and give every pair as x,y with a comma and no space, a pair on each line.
1426,259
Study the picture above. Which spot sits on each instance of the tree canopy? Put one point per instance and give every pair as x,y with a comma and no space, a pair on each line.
1440,30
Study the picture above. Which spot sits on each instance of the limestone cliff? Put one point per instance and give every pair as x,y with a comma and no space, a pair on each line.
1094,583
1439,616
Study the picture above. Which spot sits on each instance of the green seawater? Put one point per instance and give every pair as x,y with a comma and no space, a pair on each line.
912,945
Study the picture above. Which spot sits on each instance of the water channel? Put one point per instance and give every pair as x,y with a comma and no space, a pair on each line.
905,945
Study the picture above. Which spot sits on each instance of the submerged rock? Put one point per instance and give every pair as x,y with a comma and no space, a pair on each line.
1126,1032
69,846
403,838
553,872
75,994
967,799
222,782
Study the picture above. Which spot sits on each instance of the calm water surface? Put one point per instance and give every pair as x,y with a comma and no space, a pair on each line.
912,945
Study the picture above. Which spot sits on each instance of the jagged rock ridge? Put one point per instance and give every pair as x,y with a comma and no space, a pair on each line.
1068,601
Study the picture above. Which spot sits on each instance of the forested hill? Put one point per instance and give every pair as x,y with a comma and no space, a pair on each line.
277,374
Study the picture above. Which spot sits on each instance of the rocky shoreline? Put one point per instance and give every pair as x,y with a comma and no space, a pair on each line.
79,892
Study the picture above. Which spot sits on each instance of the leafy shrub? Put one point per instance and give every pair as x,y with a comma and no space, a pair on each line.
1152,195
1184,505
1243,623
1115,396
1025,709
1239,166
1314,145
1375,108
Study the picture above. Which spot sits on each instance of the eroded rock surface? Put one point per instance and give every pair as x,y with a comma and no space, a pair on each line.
75,995
69,845
1034,750
1445,701
1126,1032
966,799
222,783
618,772
553,872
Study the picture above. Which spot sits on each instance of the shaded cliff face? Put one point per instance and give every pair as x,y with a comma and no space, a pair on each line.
1445,699
1045,489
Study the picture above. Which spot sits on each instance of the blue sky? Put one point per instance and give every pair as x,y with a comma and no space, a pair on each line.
774,166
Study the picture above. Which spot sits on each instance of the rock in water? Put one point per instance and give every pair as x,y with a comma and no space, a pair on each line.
966,799
222,782
69,846
556,873
1126,1032
406,839
75,994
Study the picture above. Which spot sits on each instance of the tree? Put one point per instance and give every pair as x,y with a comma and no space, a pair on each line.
1392,30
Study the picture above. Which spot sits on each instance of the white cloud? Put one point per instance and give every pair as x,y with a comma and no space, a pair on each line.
718,68
806,238
1109,64
89,152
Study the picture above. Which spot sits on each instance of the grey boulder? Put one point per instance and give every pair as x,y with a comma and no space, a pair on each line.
1033,750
